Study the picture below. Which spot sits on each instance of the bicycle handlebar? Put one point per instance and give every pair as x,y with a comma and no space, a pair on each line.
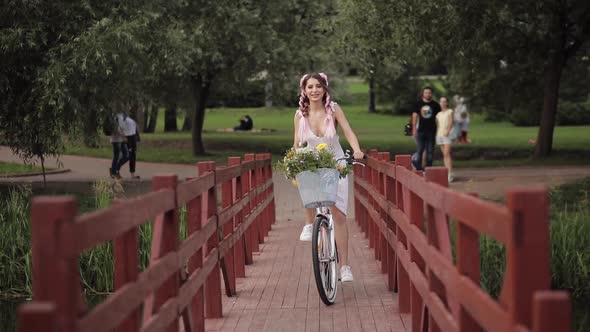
349,158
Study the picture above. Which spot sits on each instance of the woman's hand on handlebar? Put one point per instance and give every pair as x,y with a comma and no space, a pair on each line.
358,155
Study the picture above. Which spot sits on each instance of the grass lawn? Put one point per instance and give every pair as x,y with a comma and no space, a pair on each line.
493,144
12,168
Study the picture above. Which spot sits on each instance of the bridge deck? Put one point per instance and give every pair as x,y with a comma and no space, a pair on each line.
279,293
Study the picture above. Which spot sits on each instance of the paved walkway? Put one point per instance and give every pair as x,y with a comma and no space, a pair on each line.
488,182
279,292
89,169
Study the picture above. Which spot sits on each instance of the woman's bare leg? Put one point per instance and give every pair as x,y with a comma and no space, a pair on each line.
446,149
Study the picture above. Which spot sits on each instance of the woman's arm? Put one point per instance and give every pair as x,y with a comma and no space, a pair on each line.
348,133
451,123
296,132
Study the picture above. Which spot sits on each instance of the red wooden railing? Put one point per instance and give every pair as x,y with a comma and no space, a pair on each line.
406,218
182,281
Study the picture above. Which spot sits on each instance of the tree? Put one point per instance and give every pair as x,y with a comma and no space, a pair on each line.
534,38
71,61
374,39
233,42
170,124
64,63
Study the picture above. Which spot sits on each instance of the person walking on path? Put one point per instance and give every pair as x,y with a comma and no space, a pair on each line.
118,141
132,135
444,125
424,128
315,123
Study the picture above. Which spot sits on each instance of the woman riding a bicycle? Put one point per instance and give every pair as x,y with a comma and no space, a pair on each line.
315,123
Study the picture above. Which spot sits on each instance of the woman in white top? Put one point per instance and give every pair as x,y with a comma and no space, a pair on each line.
315,123
444,125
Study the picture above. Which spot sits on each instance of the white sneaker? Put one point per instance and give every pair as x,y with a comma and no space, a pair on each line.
451,177
306,233
346,273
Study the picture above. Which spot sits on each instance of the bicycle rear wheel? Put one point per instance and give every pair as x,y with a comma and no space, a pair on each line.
324,260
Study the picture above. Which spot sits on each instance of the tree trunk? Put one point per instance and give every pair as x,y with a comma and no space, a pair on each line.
201,91
140,116
188,121
43,170
153,119
550,100
372,94
170,119
268,94
146,117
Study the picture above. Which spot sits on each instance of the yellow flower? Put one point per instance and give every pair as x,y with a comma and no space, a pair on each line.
322,146
294,182
340,168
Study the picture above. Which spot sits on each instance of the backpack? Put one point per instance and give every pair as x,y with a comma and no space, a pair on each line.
408,129
108,124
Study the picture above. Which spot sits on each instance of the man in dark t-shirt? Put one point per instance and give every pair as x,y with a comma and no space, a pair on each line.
424,127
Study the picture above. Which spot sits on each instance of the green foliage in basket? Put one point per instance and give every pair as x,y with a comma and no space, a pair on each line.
310,159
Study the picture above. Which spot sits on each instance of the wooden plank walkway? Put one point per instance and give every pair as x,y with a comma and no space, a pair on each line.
279,292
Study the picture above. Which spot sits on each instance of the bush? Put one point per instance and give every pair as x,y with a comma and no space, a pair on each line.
570,256
245,94
573,114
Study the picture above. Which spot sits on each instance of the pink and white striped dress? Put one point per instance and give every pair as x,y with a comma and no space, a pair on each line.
331,138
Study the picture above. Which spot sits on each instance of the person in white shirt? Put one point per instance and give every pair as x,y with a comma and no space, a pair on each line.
120,151
131,135
444,125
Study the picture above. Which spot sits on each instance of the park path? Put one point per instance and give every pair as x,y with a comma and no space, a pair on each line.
487,182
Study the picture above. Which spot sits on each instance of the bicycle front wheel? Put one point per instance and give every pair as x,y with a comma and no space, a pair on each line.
324,260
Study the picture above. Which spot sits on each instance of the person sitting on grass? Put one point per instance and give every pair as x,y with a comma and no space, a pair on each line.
246,124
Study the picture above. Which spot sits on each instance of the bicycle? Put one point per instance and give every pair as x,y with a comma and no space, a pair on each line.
324,249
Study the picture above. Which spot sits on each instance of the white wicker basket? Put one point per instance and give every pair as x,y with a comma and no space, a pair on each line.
318,188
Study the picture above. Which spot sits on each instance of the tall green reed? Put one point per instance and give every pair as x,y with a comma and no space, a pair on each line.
15,250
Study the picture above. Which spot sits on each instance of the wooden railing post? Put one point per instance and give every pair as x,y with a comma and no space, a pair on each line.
439,237
357,173
552,311
271,205
266,171
384,157
361,213
262,222
56,279
468,261
213,307
390,187
194,223
239,248
228,261
373,230
164,241
126,270
528,269
404,302
36,316
248,234
414,209
254,227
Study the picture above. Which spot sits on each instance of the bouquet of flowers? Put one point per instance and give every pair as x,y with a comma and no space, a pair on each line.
299,160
